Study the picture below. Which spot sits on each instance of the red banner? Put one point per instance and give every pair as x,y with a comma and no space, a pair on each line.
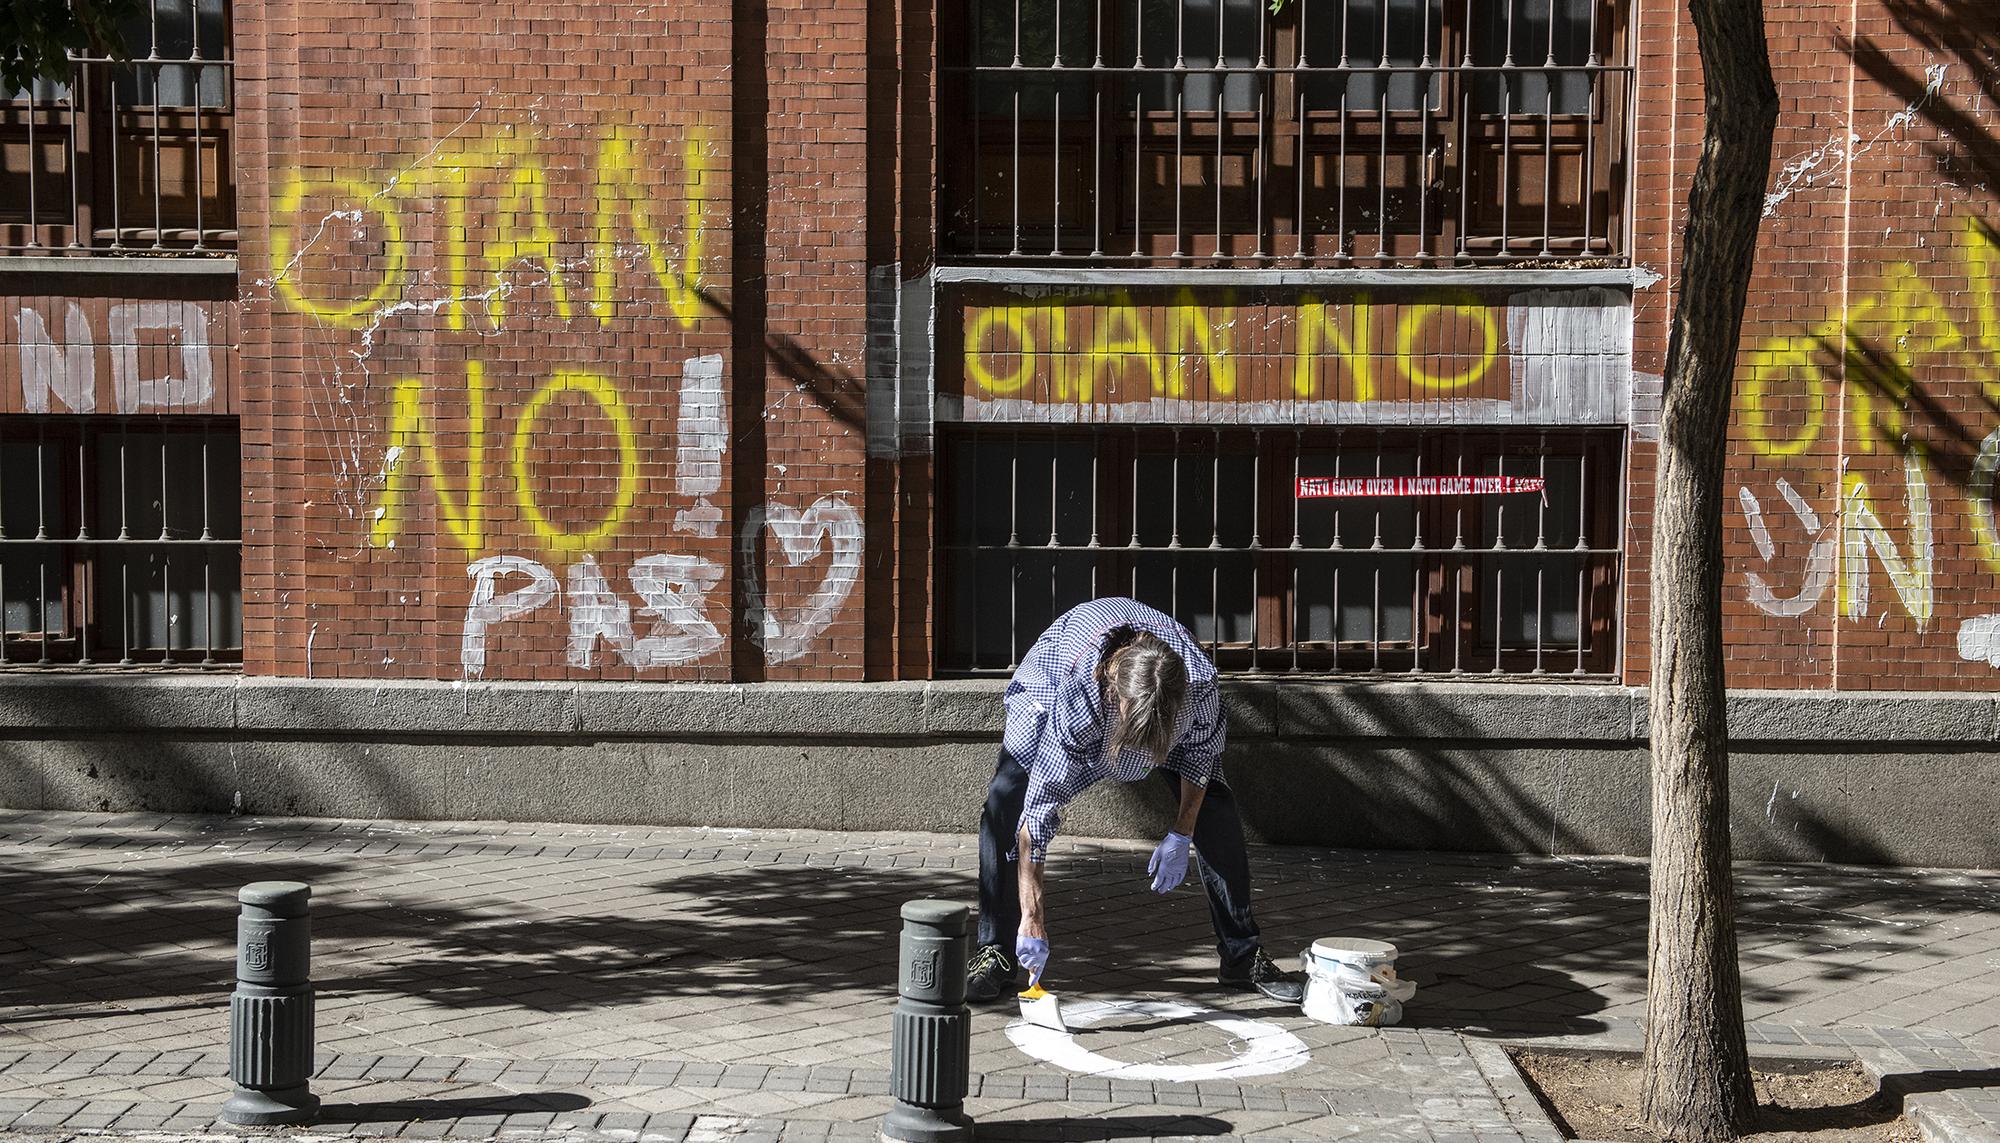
1325,487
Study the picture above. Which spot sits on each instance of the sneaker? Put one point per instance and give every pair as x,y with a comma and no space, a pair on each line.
989,975
1259,973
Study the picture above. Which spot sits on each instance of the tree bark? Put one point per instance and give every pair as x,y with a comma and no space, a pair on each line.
1697,1071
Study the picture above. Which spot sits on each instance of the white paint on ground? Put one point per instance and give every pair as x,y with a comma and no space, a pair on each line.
1257,1048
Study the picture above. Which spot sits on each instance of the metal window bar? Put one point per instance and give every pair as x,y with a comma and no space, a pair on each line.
128,156
1358,585
107,559
1377,132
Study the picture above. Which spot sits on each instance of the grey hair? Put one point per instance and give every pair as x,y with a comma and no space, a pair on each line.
1148,680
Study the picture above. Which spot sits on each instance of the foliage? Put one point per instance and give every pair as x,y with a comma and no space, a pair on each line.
38,36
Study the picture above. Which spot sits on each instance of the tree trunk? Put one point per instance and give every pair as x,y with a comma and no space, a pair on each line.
1697,1070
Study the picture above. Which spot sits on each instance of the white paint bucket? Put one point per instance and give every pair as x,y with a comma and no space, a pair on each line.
1352,980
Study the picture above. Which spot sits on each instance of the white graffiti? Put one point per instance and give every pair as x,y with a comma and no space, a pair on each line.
1847,540
69,371
1819,561
488,608
672,590
1911,575
1979,640
702,433
788,633
1257,1048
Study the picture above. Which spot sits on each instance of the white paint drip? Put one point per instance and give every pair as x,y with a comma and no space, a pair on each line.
1836,154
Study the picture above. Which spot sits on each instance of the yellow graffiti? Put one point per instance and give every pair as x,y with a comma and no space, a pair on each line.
979,330
413,445
1412,324
525,235
601,391
619,192
286,259
1191,327
1863,529
508,176
1879,342
1351,344
1121,338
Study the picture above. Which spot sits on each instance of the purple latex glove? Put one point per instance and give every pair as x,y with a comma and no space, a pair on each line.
1033,953
1169,864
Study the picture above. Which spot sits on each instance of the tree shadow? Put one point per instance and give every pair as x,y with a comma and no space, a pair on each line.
1966,154
1496,943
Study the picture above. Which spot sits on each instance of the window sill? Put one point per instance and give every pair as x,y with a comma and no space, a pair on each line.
170,264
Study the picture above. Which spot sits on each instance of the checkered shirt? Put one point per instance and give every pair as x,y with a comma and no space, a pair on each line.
1055,718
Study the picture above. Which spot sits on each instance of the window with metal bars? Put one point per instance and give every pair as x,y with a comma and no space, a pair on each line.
1205,524
127,157
1372,131
120,542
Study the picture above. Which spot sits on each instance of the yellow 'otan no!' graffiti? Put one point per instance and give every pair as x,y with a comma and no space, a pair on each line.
506,177
1008,346
415,449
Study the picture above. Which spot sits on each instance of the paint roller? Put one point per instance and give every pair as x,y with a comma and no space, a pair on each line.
1040,1007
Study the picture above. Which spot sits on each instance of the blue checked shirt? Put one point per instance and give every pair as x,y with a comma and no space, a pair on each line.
1055,718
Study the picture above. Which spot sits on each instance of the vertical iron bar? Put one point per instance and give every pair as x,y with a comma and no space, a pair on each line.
1375,593
1014,171
1296,634
34,218
1014,551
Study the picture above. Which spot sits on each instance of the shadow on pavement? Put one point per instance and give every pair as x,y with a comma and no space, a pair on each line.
1903,1084
1090,1129
399,1110
1494,942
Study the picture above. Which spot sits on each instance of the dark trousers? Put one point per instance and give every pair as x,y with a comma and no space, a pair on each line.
1218,840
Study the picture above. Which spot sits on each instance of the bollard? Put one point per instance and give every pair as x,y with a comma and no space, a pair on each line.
931,1039
271,1011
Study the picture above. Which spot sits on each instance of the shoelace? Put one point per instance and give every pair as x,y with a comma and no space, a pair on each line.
989,958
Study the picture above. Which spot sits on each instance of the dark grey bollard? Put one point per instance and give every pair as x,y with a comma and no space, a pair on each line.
271,1011
930,1044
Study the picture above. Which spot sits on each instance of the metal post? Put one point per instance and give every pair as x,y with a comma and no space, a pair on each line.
931,1039
271,1011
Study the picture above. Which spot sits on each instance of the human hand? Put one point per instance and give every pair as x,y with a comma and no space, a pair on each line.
1033,953
1169,863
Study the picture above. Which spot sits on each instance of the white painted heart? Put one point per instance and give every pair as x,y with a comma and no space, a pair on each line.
788,633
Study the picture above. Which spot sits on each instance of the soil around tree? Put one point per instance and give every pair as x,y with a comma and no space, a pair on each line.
1596,1096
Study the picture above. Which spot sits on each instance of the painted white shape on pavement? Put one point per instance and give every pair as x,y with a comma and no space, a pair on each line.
1257,1048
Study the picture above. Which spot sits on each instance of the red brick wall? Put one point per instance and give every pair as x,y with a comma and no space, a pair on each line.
514,330
1866,381
483,246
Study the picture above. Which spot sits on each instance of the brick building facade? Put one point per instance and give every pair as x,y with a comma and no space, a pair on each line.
765,342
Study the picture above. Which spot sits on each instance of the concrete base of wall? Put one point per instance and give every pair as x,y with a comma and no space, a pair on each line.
1873,778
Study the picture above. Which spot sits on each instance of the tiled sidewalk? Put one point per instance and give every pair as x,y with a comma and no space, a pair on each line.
691,986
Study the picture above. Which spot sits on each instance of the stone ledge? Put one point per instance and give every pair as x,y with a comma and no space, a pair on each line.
970,709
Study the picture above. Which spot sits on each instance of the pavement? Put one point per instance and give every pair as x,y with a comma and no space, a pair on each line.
646,985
